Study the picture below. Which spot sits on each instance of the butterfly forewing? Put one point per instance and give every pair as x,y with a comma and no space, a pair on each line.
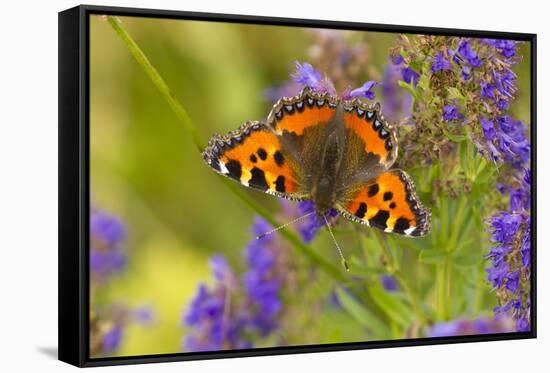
254,156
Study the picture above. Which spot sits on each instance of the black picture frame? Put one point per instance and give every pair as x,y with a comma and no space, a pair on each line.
74,190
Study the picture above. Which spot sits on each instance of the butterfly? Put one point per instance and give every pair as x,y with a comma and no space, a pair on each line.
336,152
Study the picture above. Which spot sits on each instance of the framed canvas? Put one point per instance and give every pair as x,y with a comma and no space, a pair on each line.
235,186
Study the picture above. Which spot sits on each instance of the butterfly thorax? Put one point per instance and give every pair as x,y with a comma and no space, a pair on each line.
325,180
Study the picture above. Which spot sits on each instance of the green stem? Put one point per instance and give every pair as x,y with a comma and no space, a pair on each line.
157,80
441,291
187,124
417,305
458,221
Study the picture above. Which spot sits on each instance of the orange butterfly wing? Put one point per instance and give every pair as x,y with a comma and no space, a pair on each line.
253,156
388,202
377,136
256,154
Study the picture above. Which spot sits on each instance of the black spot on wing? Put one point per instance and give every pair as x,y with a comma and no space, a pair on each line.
392,205
361,211
401,225
388,196
234,168
258,179
373,190
379,220
262,154
253,158
279,158
280,184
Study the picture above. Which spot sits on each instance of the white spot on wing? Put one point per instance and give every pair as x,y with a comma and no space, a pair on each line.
223,169
409,231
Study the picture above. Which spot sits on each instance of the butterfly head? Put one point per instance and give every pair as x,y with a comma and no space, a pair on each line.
324,196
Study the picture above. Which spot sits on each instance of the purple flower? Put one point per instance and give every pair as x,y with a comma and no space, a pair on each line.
510,234
440,63
144,315
469,54
261,281
502,104
510,138
229,314
472,327
397,102
389,283
112,339
364,91
216,323
466,72
450,113
107,255
506,48
488,129
106,228
512,281
505,82
505,226
410,76
309,228
497,275
396,59
526,245
487,90
307,76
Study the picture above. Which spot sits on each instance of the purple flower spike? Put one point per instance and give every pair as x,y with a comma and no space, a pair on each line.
440,63
364,91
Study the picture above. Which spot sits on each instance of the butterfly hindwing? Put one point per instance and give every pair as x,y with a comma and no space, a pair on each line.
254,156
388,202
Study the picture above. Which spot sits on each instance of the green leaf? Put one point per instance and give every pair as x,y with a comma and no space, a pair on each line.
454,137
358,268
454,93
432,256
409,88
466,259
361,314
392,305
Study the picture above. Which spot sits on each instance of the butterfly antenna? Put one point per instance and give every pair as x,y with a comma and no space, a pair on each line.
284,225
344,262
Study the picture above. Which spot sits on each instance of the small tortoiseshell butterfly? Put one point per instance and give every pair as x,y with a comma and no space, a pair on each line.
335,152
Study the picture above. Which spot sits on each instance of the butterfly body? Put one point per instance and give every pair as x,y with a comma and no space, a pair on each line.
334,152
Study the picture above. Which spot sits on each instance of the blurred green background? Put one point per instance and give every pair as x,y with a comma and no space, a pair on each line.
147,171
